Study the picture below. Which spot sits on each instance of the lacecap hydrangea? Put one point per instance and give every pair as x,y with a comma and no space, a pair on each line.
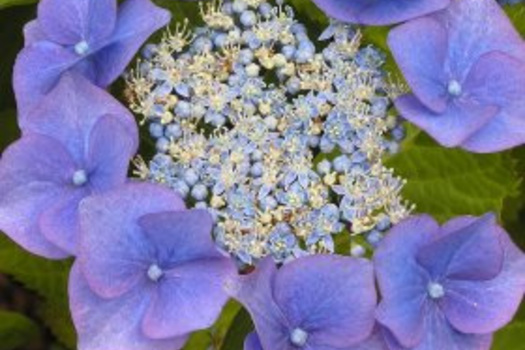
280,137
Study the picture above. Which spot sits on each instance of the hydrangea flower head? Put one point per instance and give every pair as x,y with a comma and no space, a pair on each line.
379,12
148,272
319,302
448,287
67,152
281,143
467,78
90,37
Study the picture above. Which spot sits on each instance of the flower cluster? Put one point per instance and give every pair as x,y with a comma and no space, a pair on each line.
282,143
277,147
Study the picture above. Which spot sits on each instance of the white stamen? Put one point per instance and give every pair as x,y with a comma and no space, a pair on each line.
81,48
298,337
80,178
454,88
435,290
155,273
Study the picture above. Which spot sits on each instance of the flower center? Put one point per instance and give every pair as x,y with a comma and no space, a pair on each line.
81,48
155,273
435,290
80,178
298,337
454,88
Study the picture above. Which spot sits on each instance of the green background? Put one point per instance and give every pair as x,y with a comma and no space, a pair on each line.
443,182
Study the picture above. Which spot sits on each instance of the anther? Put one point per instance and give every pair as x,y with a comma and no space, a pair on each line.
82,48
454,88
435,290
155,273
298,337
80,178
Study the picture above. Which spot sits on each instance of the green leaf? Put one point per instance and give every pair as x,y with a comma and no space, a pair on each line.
9,131
448,182
181,10
241,327
12,21
8,3
514,208
48,279
510,337
311,16
16,330
214,337
516,14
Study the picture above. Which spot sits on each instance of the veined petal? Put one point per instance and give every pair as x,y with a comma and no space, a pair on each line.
70,22
462,119
477,27
114,252
473,252
402,282
33,33
255,292
114,324
421,58
485,306
37,70
331,298
71,111
111,147
137,20
34,173
439,334
499,79
374,342
60,223
181,236
189,297
379,12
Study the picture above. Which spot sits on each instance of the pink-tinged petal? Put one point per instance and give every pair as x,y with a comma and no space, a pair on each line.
37,70
70,22
255,292
34,173
33,33
457,123
114,252
477,27
111,147
486,306
421,59
60,222
331,298
189,297
19,213
440,335
390,341
473,252
137,21
374,342
70,112
402,281
114,324
499,79
379,12
181,236
252,342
